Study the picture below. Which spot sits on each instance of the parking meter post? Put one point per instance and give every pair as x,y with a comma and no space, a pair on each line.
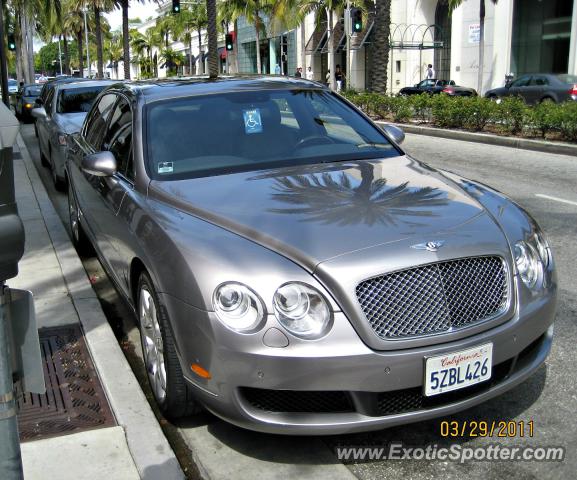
10,456
11,250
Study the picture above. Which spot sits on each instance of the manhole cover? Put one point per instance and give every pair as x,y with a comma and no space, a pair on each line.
74,399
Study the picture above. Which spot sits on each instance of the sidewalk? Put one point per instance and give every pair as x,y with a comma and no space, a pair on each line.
135,446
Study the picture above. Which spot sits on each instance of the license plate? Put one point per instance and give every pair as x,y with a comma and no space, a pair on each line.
456,370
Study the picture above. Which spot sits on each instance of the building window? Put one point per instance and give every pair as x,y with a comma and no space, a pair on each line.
398,66
541,36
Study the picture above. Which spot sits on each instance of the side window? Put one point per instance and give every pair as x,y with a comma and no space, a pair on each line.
521,82
118,138
48,102
335,126
95,125
539,81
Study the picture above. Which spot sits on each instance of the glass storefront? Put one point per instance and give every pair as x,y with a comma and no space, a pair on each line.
541,36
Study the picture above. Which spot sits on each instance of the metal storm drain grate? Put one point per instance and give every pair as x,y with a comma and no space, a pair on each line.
74,399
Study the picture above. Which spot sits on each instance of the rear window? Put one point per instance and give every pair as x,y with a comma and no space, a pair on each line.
32,91
570,79
242,131
75,100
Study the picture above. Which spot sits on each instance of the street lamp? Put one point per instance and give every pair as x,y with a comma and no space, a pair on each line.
85,11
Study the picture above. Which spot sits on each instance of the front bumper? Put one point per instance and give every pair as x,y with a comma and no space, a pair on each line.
245,371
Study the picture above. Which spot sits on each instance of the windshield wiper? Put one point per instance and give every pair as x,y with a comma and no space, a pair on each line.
376,145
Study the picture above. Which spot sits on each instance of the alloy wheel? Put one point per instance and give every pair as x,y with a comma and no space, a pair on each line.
152,344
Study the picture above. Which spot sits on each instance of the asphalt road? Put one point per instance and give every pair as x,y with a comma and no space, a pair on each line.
545,185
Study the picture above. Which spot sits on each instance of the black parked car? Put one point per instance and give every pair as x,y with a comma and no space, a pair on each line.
25,99
432,86
539,87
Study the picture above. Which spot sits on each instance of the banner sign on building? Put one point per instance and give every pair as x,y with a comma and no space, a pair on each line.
474,33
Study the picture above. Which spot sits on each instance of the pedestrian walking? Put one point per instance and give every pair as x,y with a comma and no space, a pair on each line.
277,69
310,74
339,77
328,78
430,71
298,73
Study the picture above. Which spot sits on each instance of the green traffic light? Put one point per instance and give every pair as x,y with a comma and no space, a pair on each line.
357,26
176,9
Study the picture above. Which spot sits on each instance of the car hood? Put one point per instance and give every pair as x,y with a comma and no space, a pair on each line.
313,213
70,122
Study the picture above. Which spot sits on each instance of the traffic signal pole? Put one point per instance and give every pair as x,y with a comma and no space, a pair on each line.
348,22
3,63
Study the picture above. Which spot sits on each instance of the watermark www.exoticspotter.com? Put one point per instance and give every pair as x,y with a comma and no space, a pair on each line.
454,453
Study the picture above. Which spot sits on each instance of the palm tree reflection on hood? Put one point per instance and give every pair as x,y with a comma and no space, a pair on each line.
333,197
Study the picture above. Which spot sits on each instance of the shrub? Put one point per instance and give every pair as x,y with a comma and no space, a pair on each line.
512,114
545,117
567,120
422,106
479,112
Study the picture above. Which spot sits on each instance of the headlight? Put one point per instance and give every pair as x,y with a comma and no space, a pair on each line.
302,310
542,248
528,263
238,307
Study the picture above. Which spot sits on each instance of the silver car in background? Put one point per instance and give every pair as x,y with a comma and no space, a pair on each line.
61,114
292,269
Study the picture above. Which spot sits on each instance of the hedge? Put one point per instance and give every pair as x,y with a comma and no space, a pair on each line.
509,117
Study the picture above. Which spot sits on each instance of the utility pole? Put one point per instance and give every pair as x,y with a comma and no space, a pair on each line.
85,10
60,55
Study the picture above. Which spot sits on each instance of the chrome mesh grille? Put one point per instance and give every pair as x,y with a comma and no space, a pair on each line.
434,298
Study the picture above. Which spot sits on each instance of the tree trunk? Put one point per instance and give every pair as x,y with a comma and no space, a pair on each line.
30,50
24,49
66,58
80,48
199,60
212,38
331,40
481,45
303,52
380,46
190,53
257,33
235,46
19,70
125,40
99,53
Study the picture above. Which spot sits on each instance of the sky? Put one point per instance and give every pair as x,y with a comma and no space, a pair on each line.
137,9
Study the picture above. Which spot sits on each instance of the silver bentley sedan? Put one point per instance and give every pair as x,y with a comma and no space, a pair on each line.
292,269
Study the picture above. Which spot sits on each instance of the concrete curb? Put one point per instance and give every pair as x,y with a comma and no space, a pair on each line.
148,446
489,139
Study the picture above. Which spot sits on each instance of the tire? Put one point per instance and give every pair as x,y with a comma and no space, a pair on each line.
173,395
547,100
79,238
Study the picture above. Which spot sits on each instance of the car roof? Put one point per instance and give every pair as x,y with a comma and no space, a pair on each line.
84,84
158,89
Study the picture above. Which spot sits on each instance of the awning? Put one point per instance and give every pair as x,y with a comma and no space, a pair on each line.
317,40
342,45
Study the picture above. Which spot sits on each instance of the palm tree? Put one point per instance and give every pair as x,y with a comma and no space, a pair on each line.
332,9
124,5
99,7
143,45
212,38
456,3
331,196
172,60
380,46
113,50
74,23
254,11
191,19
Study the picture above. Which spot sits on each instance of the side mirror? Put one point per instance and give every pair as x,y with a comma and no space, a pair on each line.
100,164
38,112
38,102
396,134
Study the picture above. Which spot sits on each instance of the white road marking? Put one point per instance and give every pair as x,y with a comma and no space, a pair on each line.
556,199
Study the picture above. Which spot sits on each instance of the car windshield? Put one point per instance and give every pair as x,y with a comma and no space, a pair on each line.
251,130
75,100
571,79
32,91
